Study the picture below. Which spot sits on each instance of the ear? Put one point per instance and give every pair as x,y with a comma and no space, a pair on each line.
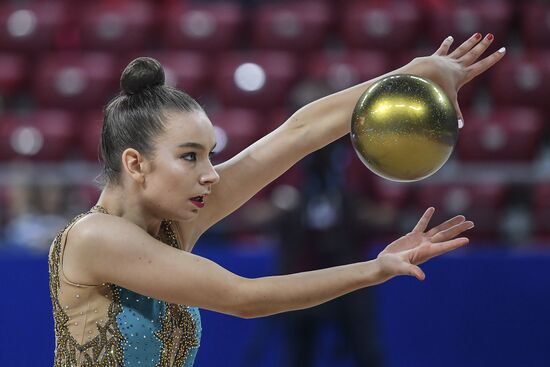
133,163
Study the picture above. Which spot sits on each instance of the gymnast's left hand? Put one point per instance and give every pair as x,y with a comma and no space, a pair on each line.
452,70
403,256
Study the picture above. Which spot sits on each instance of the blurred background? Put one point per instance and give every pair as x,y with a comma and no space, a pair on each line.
251,64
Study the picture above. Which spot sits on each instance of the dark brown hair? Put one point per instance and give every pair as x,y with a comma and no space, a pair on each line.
135,117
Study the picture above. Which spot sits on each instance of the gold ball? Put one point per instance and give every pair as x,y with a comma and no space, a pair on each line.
404,128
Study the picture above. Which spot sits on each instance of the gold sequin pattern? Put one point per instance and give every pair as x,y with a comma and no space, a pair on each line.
178,330
105,349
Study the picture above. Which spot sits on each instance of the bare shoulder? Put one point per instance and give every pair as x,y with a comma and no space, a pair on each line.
99,241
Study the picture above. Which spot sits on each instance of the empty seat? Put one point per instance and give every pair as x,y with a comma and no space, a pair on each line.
522,81
256,79
342,70
541,208
236,129
535,24
116,25
507,134
462,19
40,136
211,27
75,80
383,25
291,26
31,27
186,70
482,203
13,74
89,135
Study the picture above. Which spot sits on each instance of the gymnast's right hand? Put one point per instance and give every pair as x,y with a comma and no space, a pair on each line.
403,256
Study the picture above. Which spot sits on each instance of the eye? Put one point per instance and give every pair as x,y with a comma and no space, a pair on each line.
211,155
191,157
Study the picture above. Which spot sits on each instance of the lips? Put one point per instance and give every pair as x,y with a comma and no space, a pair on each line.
198,201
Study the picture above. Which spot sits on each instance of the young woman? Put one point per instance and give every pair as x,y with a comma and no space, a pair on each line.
121,273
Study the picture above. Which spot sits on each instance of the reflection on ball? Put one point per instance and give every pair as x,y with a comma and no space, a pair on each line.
404,128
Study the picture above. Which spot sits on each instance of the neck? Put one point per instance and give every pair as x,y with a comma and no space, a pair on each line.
119,203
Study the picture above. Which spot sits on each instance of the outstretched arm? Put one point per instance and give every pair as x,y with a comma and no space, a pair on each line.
124,254
325,120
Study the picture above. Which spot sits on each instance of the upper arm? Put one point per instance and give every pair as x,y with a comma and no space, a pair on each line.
122,253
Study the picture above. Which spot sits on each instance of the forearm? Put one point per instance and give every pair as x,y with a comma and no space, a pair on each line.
272,295
329,118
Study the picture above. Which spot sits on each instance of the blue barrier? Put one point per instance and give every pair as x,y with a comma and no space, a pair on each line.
475,309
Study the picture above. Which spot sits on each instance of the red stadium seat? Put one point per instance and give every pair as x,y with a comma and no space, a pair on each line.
186,70
211,27
116,25
75,81
342,70
386,25
41,136
535,24
257,80
236,129
541,208
31,27
522,80
508,134
89,135
482,203
13,74
462,19
291,26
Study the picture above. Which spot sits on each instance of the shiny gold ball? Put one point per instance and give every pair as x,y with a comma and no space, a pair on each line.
404,128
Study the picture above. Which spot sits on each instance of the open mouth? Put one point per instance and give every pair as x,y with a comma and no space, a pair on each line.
198,201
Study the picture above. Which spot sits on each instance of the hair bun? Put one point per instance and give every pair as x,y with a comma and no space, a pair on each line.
140,74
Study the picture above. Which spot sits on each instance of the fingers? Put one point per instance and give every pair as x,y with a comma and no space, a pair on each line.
446,225
469,57
466,46
444,48
447,246
416,272
452,232
484,64
424,221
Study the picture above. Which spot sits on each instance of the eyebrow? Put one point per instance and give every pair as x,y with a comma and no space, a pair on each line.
195,146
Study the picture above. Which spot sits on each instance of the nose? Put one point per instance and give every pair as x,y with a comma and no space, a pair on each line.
210,177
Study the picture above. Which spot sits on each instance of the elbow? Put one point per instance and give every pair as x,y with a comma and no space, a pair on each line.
246,303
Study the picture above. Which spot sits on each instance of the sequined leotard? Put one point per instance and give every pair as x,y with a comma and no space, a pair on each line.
107,325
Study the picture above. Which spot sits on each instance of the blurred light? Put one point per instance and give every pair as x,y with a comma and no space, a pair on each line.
21,23
494,137
321,213
457,200
467,21
285,197
197,24
110,26
528,77
221,139
341,76
170,77
26,140
70,81
287,25
249,77
377,23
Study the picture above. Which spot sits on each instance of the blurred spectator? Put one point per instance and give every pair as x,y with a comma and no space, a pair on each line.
323,230
38,213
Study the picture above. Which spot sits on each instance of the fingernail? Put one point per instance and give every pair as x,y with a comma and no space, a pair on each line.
502,50
460,123
490,36
449,39
477,35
